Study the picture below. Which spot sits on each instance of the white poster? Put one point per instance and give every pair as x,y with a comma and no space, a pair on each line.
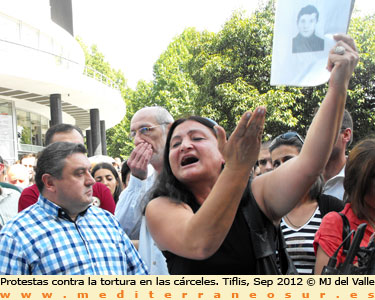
303,37
6,137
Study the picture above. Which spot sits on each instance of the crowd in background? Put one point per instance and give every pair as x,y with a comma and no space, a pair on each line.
190,201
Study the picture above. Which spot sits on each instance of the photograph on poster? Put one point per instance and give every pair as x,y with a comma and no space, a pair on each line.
307,40
303,36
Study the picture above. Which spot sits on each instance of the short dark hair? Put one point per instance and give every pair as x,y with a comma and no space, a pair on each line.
52,160
63,127
317,188
115,174
125,170
347,122
359,172
308,10
1,160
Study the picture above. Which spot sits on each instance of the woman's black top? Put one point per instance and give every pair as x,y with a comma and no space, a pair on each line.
235,255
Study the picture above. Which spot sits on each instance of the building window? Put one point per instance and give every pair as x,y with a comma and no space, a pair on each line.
23,127
6,131
31,128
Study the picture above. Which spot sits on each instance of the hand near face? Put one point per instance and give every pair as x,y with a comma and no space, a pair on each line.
139,160
241,150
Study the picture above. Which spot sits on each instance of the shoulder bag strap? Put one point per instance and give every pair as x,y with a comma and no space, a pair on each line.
345,232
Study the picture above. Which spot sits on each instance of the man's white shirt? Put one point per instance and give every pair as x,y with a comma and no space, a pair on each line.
335,185
129,208
129,212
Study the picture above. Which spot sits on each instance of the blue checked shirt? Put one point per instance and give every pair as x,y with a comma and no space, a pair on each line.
42,240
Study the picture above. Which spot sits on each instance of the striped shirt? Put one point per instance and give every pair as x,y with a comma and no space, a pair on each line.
43,240
299,242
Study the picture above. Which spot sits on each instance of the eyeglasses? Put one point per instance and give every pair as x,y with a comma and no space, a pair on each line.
143,131
287,136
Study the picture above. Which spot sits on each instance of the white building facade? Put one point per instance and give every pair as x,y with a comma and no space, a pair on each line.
39,58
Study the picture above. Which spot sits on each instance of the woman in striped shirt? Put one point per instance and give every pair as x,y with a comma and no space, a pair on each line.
300,224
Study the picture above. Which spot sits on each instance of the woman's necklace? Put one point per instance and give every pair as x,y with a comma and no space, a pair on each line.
296,226
290,222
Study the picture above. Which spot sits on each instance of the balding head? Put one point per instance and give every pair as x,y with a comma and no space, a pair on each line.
161,115
156,120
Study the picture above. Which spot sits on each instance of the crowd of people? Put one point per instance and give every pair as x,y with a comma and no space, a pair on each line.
190,201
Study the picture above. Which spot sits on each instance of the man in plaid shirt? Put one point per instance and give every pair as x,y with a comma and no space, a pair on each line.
63,233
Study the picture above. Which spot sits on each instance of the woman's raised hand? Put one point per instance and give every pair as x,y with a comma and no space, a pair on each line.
241,150
342,60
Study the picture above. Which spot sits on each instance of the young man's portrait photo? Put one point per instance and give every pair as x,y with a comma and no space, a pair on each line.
306,39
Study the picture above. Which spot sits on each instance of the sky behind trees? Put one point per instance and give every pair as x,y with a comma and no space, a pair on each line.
133,34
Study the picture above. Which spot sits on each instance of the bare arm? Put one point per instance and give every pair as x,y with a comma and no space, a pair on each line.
277,192
177,229
322,259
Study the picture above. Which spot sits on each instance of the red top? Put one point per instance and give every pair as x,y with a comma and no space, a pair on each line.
329,235
103,194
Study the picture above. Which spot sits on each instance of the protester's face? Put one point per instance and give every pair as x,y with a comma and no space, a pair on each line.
264,161
74,188
18,175
194,155
72,136
2,172
306,25
29,163
106,177
155,136
282,154
339,147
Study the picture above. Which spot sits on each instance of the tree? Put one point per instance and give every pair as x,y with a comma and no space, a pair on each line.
361,96
221,75
118,142
173,86
232,71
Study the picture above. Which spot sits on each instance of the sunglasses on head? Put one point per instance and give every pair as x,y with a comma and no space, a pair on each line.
287,136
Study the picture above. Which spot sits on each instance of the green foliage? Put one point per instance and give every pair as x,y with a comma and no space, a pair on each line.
361,96
26,136
118,142
232,71
221,75
174,87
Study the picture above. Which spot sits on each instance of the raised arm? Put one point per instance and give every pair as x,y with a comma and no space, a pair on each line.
277,192
198,235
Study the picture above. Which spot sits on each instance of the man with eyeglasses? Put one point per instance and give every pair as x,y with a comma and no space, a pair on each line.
264,158
148,129
334,171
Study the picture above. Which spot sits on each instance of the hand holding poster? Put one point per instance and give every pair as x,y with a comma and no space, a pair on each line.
303,36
